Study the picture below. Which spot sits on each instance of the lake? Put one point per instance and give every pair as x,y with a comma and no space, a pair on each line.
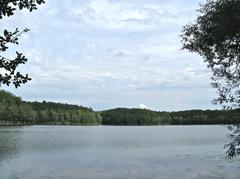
103,152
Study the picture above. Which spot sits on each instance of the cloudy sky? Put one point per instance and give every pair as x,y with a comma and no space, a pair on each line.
112,53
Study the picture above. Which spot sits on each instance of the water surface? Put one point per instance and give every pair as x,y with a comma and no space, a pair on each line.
103,152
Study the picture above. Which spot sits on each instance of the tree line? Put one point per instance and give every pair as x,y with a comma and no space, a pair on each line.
14,111
124,116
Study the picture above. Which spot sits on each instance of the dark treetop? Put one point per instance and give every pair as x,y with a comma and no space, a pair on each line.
125,116
14,111
215,35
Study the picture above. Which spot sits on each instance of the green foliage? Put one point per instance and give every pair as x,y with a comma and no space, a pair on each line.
124,116
215,35
8,7
14,111
8,67
233,147
58,113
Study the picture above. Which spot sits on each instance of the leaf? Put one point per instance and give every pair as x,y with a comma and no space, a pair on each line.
5,33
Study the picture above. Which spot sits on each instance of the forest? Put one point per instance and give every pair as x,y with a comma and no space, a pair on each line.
15,111
124,116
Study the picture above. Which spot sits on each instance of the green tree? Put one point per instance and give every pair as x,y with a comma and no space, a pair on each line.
9,74
215,36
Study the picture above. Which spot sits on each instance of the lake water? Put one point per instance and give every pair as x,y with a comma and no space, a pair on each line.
103,152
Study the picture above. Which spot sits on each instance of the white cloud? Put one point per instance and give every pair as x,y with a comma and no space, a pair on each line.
109,53
143,106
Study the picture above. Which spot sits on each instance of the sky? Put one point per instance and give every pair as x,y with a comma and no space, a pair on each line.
112,53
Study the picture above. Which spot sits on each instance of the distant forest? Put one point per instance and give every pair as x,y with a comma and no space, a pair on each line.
123,116
14,111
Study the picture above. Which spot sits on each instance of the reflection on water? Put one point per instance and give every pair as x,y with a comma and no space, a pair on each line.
10,138
115,152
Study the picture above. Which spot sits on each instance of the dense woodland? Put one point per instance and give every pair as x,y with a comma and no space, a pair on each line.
123,116
14,111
